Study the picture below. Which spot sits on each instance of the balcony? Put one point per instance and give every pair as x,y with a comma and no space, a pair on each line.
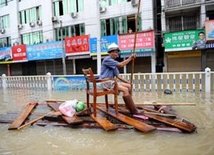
180,3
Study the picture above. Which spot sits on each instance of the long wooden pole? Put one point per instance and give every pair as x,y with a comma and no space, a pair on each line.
135,38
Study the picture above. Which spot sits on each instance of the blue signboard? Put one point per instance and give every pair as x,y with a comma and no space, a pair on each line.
104,42
50,50
93,45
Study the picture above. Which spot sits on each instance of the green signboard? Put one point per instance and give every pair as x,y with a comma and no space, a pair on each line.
180,41
137,51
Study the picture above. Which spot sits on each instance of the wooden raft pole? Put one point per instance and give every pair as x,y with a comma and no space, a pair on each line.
22,117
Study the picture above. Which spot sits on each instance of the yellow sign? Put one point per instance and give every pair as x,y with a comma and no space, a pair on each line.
184,54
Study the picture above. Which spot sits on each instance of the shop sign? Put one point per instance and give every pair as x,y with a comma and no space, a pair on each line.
105,41
180,41
144,42
5,55
49,50
19,53
186,54
209,27
77,45
93,46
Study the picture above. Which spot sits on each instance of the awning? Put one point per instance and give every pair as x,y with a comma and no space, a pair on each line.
78,56
137,55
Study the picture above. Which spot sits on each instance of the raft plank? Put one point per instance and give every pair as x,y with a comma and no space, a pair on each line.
22,117
104,123
70,120
128,120
173,122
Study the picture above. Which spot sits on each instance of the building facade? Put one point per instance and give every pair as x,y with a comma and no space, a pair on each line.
183,21
35,22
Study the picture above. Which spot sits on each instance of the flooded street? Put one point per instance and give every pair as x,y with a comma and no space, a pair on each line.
50,140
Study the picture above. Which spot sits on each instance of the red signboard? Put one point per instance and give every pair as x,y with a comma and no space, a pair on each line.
144,40
77,45
19,53
209,28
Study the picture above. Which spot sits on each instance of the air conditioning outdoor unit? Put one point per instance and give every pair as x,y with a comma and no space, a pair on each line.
103,9
134,3
54,19
2,31
39,22
74,14
32,24
20,26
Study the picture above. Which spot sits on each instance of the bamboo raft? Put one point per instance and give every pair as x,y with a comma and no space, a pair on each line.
159,118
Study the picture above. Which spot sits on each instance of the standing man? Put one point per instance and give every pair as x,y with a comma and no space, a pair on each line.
109,69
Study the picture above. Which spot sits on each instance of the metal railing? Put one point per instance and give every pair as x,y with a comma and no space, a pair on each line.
178,81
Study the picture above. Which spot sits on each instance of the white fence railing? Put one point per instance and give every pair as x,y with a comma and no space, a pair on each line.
179,81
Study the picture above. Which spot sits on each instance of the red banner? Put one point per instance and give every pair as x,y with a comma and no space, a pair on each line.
19,53
144,40
77,45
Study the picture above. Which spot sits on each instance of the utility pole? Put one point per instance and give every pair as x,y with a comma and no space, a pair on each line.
63,50
98,39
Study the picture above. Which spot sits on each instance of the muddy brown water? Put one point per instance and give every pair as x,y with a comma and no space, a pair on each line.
49,140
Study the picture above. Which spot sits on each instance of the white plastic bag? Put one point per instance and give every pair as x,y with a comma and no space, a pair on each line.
68,107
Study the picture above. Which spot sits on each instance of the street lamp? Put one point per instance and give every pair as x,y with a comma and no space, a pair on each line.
63,50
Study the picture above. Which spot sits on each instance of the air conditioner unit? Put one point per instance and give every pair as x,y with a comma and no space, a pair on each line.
2,31
39,22
54,19
74,14
103,9
32,24
134,2
20,26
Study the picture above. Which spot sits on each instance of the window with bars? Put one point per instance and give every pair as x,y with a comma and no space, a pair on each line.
69,31
62,7
185,22
30,15
32,38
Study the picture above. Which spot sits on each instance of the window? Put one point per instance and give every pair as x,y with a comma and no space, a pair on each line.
30,15
69,31
5,42
119,25
105,3
4,22
3,3
62,7
32,38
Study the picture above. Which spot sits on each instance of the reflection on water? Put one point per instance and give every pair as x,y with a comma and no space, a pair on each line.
49,140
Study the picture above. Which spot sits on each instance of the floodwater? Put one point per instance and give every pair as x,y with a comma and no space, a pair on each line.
51,140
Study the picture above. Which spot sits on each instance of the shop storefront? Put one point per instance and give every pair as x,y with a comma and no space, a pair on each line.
180,55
